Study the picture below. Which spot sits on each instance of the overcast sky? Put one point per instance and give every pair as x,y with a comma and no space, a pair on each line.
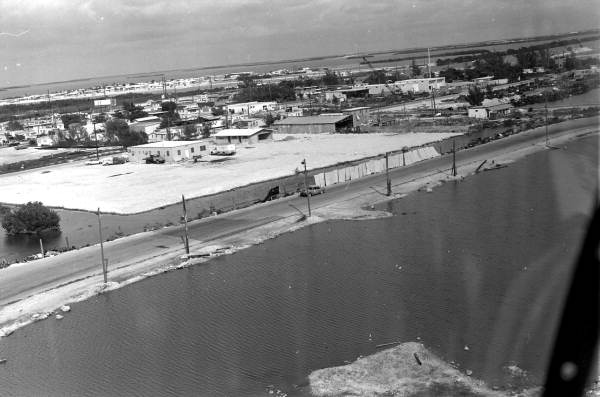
46,40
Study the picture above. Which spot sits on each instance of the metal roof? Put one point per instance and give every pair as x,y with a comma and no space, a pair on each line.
321,119
244,132
167,144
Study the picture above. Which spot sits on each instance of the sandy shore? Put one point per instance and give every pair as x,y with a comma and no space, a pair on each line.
47,302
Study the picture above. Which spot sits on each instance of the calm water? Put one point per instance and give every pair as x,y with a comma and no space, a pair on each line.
481,263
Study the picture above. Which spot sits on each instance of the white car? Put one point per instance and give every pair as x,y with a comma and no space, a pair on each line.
93,162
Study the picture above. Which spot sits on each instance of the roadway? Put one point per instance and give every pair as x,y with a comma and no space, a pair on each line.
22,280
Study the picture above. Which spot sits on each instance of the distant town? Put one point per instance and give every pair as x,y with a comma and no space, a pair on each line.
450,93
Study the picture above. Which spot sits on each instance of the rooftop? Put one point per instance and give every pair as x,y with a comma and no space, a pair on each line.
355,109
167,144
321,119
245,132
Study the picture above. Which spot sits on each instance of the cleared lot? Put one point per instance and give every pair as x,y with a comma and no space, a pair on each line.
132,187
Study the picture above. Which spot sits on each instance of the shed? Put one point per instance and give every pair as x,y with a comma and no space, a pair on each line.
171,151
243,135
360,115
322,124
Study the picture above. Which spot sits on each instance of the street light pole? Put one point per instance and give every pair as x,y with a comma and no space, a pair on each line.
306,187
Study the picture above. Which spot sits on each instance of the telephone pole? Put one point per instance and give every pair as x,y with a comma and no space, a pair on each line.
104,267
387,174
546,108
187,241
453,157
306,186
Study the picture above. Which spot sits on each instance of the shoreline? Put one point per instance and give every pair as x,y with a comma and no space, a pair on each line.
47,302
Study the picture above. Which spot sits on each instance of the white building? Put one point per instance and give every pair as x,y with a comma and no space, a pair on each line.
489,112
171,151
248,108
420,85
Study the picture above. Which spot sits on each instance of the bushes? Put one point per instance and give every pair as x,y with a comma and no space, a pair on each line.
31,218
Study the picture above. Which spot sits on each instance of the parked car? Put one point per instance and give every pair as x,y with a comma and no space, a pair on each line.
312,190
93,162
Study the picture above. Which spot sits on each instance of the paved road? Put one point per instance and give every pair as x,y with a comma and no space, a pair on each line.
20,281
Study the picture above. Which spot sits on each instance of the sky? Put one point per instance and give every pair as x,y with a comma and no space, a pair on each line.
57,40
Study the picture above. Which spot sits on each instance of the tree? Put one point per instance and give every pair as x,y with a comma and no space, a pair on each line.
115,127
415,69
71,118
206,130
14,125
376,77
119,129
330,78
189,132
270,119
475,96
31,218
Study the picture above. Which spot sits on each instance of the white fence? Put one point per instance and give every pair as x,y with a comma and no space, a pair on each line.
373,166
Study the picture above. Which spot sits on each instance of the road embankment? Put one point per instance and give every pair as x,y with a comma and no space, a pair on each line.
153,253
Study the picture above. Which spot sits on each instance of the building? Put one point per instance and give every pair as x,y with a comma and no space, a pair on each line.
322,124
360,115
171,151
248,108
490,112
146,125
243,136
420,85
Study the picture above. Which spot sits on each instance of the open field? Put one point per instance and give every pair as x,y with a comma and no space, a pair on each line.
133,187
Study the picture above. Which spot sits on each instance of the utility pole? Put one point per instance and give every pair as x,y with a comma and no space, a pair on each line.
104,267
428,62
453,157
387,174
546,108
306,186
187,241
95,135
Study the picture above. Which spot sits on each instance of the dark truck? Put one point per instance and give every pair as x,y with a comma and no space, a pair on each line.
155,159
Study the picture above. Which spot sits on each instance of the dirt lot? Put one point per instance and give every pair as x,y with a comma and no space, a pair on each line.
133,187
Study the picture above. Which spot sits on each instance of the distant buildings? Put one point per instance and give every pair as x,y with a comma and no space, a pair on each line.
249,108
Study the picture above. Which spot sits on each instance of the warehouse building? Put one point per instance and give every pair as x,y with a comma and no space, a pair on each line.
243,136
322,124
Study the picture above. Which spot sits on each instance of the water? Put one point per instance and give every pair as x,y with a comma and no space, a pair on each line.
481,263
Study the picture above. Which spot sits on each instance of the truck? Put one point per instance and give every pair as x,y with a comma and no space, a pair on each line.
154,159
223,150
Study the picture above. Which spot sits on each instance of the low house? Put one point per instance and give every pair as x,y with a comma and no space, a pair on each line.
171,151
243,136
322,124
489,112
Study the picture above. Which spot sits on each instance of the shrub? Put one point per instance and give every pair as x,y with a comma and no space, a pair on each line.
31,218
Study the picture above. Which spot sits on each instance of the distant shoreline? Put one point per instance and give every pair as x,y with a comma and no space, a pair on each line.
313,58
